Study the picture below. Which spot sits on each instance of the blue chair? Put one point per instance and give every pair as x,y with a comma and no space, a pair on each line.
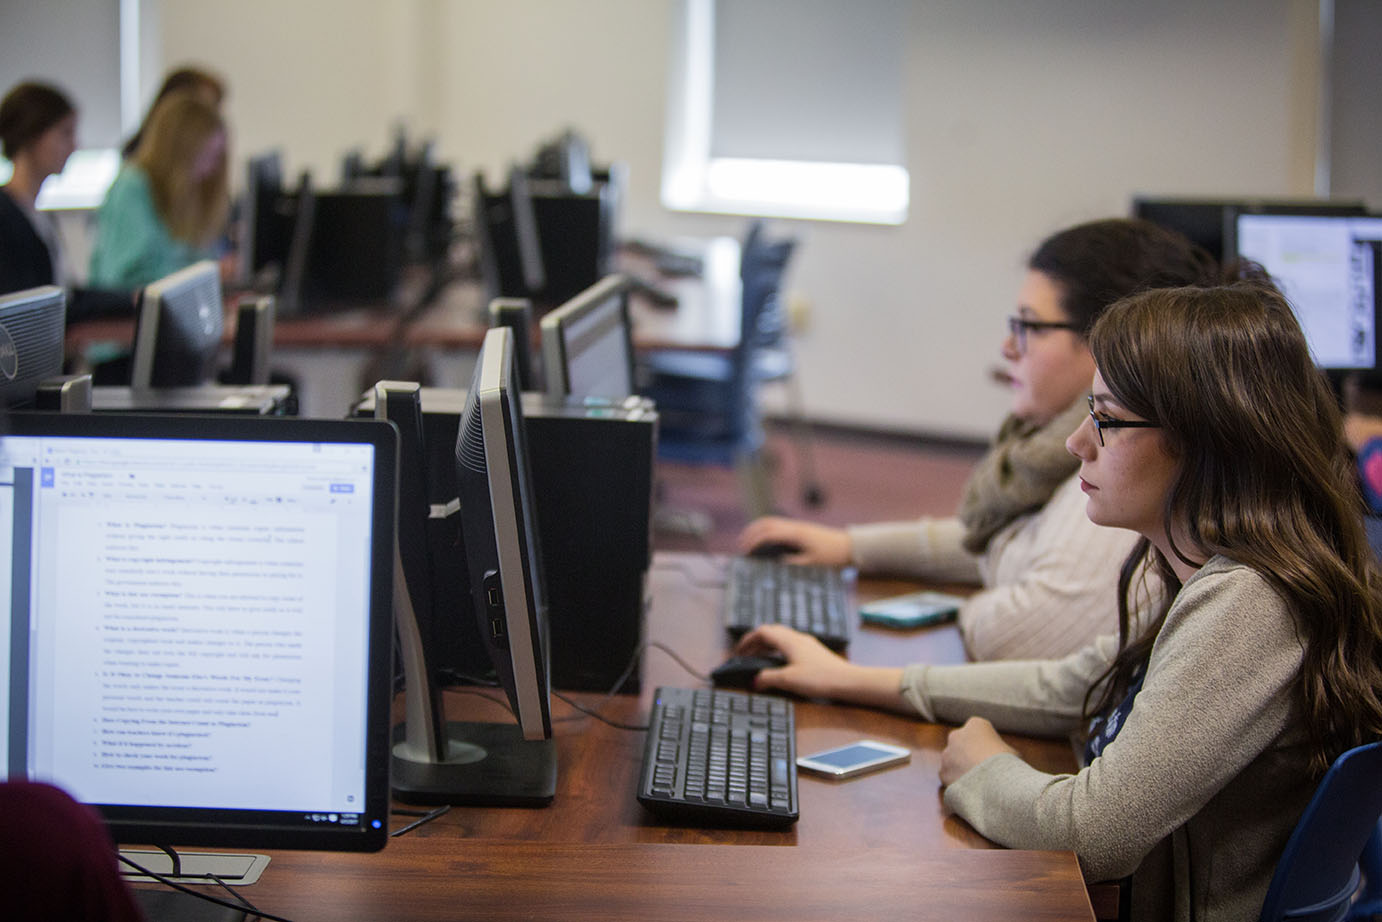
1318,872
1369,902
707,403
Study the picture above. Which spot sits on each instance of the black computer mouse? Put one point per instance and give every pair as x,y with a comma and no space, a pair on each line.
738,671
772,550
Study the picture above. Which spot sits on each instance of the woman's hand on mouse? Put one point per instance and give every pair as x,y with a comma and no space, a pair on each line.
814,671
820,545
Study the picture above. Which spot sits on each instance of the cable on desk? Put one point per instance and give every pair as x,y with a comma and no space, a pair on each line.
241,903
618,725
424,816
680,662
689,574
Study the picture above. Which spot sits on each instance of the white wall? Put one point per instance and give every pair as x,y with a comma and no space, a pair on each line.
1022,118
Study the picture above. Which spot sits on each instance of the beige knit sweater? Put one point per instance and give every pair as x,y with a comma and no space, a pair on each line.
1050,578
1196,796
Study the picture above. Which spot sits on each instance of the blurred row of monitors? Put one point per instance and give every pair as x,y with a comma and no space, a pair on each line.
1326,256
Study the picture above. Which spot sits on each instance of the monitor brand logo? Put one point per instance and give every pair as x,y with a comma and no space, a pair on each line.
9,355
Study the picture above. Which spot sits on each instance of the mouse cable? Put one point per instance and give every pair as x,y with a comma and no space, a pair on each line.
690,575
241,903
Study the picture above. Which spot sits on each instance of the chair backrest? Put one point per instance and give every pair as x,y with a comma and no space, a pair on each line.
762,265
1318,870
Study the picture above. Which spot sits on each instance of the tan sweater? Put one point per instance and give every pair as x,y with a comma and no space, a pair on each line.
1050,578
1196,796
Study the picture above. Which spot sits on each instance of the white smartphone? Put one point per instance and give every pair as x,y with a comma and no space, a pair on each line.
854,759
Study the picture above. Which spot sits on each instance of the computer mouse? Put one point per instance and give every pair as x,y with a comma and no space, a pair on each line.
738,671
772,550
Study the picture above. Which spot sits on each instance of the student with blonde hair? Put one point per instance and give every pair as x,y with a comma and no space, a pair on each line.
167,207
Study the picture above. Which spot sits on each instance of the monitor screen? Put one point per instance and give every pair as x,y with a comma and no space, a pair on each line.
199,635
500,533
587,348
32,326
1327,266
1208,222
178,328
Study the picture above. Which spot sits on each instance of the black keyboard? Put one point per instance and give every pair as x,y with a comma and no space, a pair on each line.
720,758
811,599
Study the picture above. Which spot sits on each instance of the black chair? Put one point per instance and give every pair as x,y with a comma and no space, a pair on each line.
708,402
1318,872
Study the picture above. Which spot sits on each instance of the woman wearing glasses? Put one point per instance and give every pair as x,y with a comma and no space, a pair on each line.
1048,574
1209,719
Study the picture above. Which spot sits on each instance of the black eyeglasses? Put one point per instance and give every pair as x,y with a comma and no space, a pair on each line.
1019,326
1108,422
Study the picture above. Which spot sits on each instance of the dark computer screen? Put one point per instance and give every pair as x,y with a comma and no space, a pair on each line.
506,239
266,222
178,328
198,641
32,325
1206,221
587,346
1327,265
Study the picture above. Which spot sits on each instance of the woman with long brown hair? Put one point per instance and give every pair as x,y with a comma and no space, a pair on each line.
167,207
1209,720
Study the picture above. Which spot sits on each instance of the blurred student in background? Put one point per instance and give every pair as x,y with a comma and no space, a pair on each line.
1048,574
196,80
38,132
168,205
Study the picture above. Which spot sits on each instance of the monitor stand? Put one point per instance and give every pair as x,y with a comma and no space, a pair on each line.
484,764
197,868
176,906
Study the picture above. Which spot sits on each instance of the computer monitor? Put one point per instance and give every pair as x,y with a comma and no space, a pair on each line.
1205,221
517,315
32,326
471,762
1327,265
178,328
266,222
507,242
355,255
587,347
199,635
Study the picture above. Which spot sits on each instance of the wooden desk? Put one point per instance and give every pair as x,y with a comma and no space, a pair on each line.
874,847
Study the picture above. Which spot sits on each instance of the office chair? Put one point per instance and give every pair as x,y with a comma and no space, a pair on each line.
1369,902
1318,872
774,362
708,403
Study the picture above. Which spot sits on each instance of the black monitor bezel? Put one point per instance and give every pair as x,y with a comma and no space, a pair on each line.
213,827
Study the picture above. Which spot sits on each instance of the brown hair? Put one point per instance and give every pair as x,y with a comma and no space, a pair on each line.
179,127
1263,478
27,111
1098,262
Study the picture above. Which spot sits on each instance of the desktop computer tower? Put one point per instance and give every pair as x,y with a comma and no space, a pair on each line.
592,469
